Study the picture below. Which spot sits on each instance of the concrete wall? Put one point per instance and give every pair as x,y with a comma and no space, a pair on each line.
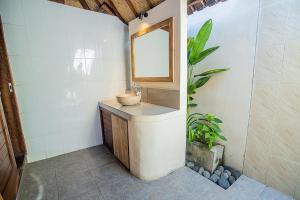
62,59
273,144
228,95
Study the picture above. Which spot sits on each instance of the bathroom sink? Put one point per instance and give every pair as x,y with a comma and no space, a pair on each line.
129,99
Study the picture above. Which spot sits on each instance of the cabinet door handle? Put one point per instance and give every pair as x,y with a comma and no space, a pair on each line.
10,87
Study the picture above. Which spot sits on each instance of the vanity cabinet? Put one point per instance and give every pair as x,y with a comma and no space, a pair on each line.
107,129
115,135
120,139
141,137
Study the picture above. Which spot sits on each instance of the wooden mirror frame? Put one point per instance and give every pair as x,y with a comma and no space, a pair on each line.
170,23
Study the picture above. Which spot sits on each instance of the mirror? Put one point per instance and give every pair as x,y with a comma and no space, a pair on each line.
152,53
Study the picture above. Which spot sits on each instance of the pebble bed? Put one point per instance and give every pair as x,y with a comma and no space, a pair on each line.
224,176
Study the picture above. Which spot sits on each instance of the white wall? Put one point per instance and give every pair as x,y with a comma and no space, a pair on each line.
64,60
228,95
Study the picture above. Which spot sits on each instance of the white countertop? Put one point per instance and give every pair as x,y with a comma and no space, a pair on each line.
142,110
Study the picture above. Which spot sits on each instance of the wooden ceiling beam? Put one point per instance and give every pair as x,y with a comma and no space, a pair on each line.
149,4
129,3
98,3
107,9
84,4
59,1
113,7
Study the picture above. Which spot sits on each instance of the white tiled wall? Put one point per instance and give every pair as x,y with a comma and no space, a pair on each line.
64,60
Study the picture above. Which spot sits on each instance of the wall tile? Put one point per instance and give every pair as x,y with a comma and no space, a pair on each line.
112,71
54,145
158,96
275,107
34,12
256,159
268,64
26,98
290,72
16,39
294,9
11,12
289,95
92,69
286,139
21,68
35,149
56,38
282,175
62,61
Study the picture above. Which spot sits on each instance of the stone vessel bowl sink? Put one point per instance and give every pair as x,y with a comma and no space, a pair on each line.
129,99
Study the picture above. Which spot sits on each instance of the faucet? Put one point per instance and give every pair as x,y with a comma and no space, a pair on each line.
137,89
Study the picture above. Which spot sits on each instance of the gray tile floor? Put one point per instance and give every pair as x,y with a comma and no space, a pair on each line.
94,174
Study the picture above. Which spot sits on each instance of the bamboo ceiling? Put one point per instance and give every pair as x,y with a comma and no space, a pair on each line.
127,10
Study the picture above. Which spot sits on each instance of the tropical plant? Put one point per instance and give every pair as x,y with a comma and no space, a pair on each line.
204,128
201,127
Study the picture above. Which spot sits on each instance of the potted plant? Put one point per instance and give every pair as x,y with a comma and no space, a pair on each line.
203,131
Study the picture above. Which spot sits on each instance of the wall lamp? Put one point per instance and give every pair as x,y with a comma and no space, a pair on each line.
142,15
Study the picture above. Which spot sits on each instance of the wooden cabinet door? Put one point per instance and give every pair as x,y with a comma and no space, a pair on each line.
9,177
120,139
106,129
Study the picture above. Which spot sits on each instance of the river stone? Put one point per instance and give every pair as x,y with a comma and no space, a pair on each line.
218,172
220,168
224,175
206,174
195,168
227,172
201,170
231,180
228,168
214,178
236,174
223,183
190,164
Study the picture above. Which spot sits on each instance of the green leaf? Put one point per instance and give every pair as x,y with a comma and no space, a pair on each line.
192,104
191,98
201,81
205,128
191,88
191,134
215,128
210,72
217,120
206,135
190,43
202,55
200,126
201,39
222,137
